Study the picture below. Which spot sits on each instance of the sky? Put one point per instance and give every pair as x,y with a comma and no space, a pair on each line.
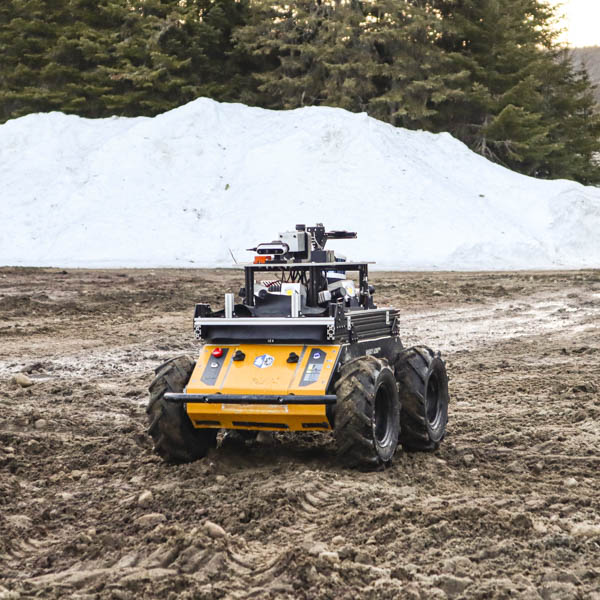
582,21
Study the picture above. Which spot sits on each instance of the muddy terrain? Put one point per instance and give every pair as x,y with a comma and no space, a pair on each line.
508,507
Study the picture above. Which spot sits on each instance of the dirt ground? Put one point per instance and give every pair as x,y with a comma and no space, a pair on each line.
508,507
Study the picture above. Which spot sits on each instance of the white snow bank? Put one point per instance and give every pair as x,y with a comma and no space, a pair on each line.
184,188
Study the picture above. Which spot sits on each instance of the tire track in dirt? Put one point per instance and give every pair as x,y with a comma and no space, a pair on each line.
469,328
464,328
318,499
507,507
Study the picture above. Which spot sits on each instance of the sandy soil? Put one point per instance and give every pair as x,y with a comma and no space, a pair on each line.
508,507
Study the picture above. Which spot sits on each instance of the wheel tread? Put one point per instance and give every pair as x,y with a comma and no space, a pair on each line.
412,370
175,438
354,409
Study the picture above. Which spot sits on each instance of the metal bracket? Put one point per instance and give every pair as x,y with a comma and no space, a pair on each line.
331,332
352,337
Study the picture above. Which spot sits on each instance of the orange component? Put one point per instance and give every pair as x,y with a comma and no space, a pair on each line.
261,260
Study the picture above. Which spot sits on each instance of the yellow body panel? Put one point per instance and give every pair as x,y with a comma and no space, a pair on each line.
264,371
268,417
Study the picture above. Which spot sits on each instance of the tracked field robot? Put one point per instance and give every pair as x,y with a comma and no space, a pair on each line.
306,349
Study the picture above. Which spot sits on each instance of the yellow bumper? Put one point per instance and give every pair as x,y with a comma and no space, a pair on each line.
270,417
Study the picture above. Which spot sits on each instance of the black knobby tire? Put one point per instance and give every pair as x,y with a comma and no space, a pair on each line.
423,389
175,438
366,413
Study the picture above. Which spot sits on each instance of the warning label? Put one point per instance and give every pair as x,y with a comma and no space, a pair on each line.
313,369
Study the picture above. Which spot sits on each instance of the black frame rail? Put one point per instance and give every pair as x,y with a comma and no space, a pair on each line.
250,399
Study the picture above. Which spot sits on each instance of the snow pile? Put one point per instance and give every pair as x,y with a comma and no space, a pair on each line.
189,186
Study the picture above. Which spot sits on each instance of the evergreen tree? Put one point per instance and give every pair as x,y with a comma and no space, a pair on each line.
308,52
413,75
488,71
377,56
523,106
570,105
28,33
125,57
176,52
